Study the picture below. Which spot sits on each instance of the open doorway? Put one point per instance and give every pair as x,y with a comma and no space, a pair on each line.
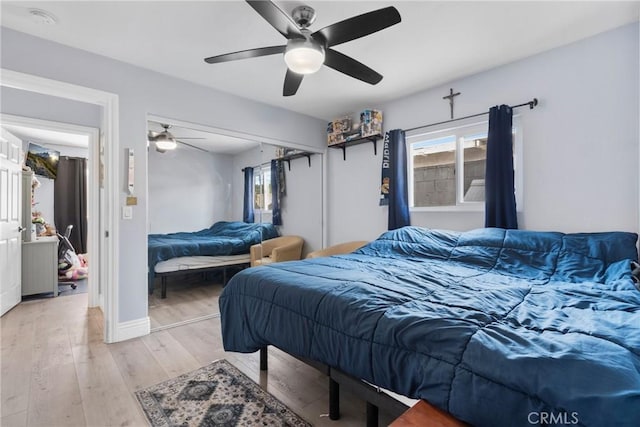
108,237
52,192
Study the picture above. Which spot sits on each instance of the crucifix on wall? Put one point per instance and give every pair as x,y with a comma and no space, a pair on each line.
450,98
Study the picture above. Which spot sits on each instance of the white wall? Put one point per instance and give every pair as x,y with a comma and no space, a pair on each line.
580,143
301,208
189,189
142,92
30,104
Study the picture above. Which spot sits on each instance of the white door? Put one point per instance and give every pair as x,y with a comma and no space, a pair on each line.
10,227
102,224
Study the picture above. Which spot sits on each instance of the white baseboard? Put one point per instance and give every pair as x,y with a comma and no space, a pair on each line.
185,322
132,329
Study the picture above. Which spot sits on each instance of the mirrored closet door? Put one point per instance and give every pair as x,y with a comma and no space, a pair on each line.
293,196
196,189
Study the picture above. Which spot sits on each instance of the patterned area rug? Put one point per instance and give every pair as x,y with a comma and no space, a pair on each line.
215,395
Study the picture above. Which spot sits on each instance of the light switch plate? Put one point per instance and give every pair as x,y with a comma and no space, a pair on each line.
127,212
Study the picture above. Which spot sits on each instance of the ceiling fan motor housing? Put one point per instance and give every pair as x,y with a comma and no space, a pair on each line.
304,16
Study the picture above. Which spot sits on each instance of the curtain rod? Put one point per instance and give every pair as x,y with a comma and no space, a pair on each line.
257,166
531,105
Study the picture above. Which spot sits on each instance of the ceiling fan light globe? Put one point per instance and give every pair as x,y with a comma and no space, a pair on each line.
304,57
165,143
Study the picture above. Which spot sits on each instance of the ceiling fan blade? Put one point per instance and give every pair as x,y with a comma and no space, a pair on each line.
291,83
358,26
192,146
244,54
188,137
351,67
277,18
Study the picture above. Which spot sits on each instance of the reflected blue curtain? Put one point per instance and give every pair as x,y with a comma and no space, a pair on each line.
247,211
500,198
275,194
398,190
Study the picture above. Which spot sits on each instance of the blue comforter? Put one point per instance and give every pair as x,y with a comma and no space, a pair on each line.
496,327
222,238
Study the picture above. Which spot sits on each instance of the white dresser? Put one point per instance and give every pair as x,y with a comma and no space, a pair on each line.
40,266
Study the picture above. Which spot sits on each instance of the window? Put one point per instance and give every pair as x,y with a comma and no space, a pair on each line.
262,189
447,167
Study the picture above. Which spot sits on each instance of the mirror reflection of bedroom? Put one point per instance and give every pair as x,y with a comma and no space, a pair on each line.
211,210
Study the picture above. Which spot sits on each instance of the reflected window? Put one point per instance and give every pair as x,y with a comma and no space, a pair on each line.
262,189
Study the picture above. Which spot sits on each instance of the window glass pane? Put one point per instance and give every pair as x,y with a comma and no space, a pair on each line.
267,193
258,194
434,172
475,161
441,176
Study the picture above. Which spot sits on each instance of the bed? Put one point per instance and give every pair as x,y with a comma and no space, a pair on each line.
493,326
203,250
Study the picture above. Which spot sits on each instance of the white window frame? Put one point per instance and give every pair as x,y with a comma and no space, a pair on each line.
262,171
461,205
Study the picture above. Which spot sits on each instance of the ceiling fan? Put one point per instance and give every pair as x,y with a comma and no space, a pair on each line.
165,140
305,52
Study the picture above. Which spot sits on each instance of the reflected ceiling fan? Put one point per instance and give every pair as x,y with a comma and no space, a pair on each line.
165,141
306,51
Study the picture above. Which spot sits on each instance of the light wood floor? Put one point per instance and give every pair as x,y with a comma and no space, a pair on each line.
188,297
56,370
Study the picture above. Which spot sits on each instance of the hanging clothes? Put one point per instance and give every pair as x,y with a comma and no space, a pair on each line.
275,194
282,186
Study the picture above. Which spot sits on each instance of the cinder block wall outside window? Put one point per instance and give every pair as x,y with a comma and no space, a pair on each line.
436,185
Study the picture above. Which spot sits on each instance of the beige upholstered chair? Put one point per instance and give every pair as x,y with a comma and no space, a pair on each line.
342,248
278,249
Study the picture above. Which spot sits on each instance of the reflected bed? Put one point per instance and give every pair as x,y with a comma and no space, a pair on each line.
223,238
